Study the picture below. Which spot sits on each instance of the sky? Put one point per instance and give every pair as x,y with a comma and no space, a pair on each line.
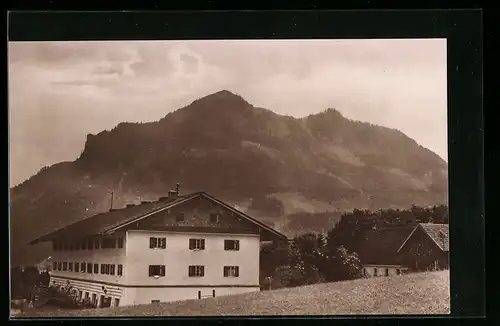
61,91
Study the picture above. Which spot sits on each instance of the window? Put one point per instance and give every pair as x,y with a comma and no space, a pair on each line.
77,267
387,272
231,271
179,217
231,244
106,269
65,266
398,271
82,267
94,298
108,243
70,267
117,302
120,270
96,243
86,295
196,271
54,266
157,243
90,244
112,269
89,268
214,217
156,270
155,301
197,244
96,268
59,266
375,272
103,271
120,242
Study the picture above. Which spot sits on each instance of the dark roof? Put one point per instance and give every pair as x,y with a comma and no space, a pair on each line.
380,246
111,221
437,232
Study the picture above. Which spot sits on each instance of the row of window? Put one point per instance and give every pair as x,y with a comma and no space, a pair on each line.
90,268
386,273
194,244
194,271
88,244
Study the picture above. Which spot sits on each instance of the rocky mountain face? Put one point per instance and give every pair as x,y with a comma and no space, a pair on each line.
295,174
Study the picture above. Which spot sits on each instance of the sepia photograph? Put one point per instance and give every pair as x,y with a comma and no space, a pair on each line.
260,177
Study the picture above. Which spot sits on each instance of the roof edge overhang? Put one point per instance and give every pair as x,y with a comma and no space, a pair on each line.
267,229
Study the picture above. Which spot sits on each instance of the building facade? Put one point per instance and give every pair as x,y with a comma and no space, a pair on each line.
383,270
427,247
177,248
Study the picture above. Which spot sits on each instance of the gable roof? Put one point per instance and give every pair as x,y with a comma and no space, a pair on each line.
109,222
439,233
380,246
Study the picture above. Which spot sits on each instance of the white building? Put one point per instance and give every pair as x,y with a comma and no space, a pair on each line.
176,248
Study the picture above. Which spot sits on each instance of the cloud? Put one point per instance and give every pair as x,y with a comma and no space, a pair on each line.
75,88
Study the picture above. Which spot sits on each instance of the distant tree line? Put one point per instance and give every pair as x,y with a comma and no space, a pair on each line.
314,257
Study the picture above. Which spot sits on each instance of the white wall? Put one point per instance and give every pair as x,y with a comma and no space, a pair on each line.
177,257
381,270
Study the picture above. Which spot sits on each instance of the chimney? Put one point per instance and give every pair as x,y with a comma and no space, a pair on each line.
177,186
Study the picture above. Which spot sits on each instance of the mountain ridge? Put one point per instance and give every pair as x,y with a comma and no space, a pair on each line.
269,165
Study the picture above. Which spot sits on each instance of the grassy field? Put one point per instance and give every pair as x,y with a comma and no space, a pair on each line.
423,293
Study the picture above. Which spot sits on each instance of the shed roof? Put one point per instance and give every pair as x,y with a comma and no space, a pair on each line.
439,233
380,247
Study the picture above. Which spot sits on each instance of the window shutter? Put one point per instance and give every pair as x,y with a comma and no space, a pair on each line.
191,270
237,271
202,244
237,245
191,243
202,270
226,271
162,270
226,244
120,270
151,270
163,244
112,269
152,243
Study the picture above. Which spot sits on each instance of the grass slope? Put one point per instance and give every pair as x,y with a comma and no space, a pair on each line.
423,293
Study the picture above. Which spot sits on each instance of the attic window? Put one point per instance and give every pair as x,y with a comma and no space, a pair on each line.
214,217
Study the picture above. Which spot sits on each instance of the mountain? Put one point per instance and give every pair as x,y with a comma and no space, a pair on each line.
295,174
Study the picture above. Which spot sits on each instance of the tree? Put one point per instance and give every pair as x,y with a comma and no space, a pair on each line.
343,265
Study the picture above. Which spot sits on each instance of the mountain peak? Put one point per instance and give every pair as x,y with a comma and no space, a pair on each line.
224,95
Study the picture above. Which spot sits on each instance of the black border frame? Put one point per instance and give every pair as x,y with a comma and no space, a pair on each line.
462,28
